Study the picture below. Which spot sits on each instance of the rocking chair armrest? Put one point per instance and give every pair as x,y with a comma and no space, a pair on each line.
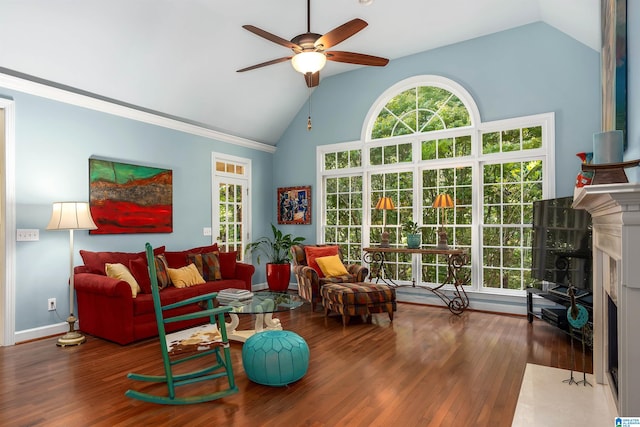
199,314
191,300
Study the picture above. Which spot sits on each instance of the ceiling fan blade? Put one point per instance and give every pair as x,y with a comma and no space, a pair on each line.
271,37
340,34
312,79
357,58
264,64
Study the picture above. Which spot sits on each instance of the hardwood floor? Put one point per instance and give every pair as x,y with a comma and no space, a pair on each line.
427,368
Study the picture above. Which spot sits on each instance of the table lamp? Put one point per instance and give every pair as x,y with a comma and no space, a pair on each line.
385,203
71,216
443,201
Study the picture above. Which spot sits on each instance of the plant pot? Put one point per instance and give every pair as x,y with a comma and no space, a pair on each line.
278,276
413,241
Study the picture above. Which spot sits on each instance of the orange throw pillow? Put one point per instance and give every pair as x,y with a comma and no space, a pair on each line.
313,252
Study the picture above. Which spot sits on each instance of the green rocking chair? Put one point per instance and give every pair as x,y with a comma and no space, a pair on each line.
186,345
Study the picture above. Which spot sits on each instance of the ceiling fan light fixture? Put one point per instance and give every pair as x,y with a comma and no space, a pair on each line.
308,62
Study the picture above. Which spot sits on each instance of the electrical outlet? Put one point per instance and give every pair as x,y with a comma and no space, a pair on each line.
51,304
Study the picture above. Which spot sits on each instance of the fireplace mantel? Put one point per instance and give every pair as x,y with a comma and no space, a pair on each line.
615,213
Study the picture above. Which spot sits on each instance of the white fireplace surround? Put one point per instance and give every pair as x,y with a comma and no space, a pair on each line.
615,213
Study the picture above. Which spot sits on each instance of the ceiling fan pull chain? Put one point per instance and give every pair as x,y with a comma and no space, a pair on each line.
309,118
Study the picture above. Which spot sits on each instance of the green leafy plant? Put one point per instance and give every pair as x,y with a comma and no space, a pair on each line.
276,248
411,227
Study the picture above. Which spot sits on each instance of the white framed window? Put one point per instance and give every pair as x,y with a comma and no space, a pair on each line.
423,137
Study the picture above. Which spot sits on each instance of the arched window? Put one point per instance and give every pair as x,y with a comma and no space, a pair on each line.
418,110
424,137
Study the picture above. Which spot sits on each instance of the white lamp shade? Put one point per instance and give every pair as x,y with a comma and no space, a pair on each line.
71,216
308,62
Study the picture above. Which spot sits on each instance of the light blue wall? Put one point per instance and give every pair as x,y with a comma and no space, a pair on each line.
528,70
54,141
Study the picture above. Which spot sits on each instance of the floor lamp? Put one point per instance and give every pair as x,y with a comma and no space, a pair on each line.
385,203
443,201
71,216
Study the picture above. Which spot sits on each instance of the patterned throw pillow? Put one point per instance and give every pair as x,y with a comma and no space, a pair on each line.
162,272
208,265
179,259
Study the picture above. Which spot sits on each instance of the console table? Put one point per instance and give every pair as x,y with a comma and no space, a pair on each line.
456,259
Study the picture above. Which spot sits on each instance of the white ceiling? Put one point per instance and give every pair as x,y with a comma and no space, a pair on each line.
179,57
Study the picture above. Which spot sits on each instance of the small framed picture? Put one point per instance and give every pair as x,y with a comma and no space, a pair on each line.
294,205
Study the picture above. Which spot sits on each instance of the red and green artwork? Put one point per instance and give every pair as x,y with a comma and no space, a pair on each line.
130,198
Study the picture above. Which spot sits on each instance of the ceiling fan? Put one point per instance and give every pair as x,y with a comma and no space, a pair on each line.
310,49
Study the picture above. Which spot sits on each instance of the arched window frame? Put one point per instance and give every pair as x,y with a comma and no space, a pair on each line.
412,82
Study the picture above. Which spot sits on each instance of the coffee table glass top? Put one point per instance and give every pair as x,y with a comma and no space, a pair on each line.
266,302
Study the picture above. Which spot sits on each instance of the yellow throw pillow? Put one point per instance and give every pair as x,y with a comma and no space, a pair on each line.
121,272
332,266
185,276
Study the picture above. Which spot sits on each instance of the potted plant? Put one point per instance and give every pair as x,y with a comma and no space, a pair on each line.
412,230
277,250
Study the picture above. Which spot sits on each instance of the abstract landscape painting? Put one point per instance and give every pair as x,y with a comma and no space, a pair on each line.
128,198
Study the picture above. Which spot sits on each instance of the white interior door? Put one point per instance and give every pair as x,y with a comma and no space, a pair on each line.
230,210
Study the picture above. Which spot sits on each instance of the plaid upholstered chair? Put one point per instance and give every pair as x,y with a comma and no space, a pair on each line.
309,276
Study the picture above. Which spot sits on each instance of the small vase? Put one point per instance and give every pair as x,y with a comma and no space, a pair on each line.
413,241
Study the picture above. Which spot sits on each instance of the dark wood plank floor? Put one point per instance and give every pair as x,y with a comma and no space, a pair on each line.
427,368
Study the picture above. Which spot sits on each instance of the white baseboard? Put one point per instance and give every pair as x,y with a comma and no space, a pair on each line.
507,304
41,332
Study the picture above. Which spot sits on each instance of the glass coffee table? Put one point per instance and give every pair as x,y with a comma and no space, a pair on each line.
263,304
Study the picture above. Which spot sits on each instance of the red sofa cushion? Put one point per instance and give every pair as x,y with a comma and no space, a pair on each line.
138,267
95,261
228,263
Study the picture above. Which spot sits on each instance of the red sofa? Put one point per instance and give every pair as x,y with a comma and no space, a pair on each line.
108,310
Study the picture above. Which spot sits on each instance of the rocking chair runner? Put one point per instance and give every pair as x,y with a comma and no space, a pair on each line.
189,344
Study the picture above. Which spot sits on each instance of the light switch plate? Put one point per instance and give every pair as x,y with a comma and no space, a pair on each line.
206,231
28,235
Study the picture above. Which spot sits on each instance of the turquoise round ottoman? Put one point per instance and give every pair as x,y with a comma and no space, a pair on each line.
275,358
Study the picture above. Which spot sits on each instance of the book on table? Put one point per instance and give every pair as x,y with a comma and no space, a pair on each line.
233,294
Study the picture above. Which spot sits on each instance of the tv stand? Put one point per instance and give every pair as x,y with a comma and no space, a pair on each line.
558,316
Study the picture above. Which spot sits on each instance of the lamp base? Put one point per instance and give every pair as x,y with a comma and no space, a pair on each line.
442,240
72,337
384,240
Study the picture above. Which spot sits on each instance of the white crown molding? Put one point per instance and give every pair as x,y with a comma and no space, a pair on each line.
111,107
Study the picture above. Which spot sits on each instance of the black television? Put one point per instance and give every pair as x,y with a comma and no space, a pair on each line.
561,246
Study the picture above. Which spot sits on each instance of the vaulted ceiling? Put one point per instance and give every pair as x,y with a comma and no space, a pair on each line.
179,57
